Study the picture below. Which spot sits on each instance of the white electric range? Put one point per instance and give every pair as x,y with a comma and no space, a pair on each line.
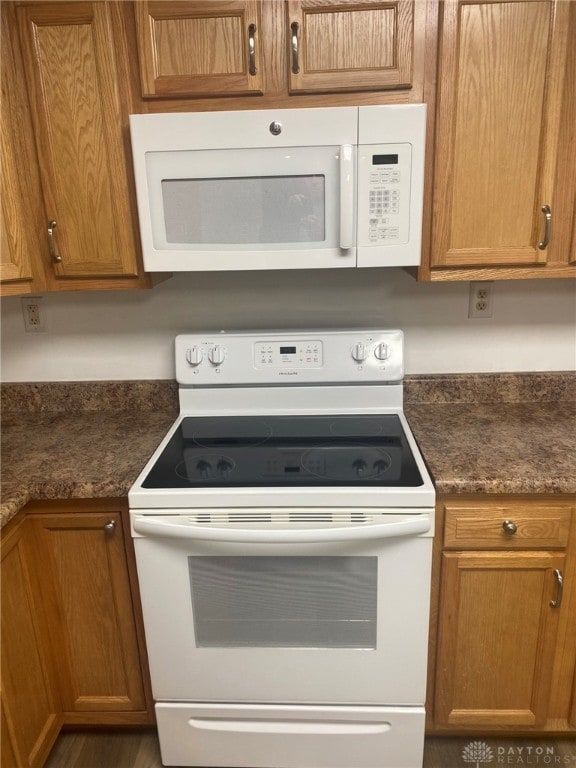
283,534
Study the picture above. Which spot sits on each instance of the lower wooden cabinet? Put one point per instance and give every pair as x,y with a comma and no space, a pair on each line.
31,716
73,651
82,570
497,638
504,621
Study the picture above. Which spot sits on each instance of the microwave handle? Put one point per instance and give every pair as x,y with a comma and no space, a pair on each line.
421,524
346,196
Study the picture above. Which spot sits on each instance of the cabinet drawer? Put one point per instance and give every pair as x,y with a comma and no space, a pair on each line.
506,526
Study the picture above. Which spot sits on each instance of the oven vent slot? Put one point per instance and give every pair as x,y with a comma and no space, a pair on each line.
232,516
287,517
322,516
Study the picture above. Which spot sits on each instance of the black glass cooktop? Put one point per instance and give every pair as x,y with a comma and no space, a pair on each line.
291,451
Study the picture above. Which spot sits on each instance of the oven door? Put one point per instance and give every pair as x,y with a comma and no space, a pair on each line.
289,612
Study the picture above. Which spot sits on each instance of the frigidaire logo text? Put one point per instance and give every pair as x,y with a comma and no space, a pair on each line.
288,373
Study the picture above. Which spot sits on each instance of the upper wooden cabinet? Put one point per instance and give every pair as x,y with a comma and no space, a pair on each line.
192,48
75,61
356,45
199,48
74,82
498,132
21,205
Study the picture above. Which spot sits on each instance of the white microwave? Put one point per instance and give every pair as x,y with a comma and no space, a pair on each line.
280,189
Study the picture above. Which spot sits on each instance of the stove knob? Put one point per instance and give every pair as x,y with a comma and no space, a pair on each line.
194,356
360,466
359,352
216,355
382,352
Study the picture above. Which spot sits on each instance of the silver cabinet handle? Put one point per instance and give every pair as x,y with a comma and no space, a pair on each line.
51,247
295,28
252,49
559,589
110,527
509,527
547,227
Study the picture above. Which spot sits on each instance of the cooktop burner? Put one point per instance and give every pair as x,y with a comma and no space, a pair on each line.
244,451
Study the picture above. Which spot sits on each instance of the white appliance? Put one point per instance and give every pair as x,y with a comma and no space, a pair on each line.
283,534
280,189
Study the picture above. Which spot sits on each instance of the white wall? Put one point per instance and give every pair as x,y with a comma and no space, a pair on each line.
129,335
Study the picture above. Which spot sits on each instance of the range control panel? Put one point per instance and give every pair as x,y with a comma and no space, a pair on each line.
298,354
318,357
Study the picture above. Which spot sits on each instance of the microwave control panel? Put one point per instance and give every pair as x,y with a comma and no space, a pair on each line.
384,172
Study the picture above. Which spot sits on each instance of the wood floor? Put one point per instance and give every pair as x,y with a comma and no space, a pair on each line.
139,749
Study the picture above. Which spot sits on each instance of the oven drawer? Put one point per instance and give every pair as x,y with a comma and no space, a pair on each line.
506,526
259,736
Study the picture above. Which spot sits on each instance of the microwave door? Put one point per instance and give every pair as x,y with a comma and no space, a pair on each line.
271,208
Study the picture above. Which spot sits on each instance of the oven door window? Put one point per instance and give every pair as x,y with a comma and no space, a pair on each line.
284,602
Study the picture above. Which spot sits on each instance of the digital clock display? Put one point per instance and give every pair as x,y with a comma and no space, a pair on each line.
384,159
287,350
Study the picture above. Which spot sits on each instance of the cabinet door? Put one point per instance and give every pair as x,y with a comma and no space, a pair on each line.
21,211
69,52
497,638
199,47
90,614
501,69
352,46
30,720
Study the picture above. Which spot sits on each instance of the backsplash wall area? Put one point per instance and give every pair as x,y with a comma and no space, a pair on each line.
129,335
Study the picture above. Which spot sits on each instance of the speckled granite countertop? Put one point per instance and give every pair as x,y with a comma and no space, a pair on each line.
498,447
496,433
493,433
62,441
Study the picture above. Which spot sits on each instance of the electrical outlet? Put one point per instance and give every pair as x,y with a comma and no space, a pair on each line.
34,320
480,299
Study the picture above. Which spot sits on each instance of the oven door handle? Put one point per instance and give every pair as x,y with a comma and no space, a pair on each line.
369,531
